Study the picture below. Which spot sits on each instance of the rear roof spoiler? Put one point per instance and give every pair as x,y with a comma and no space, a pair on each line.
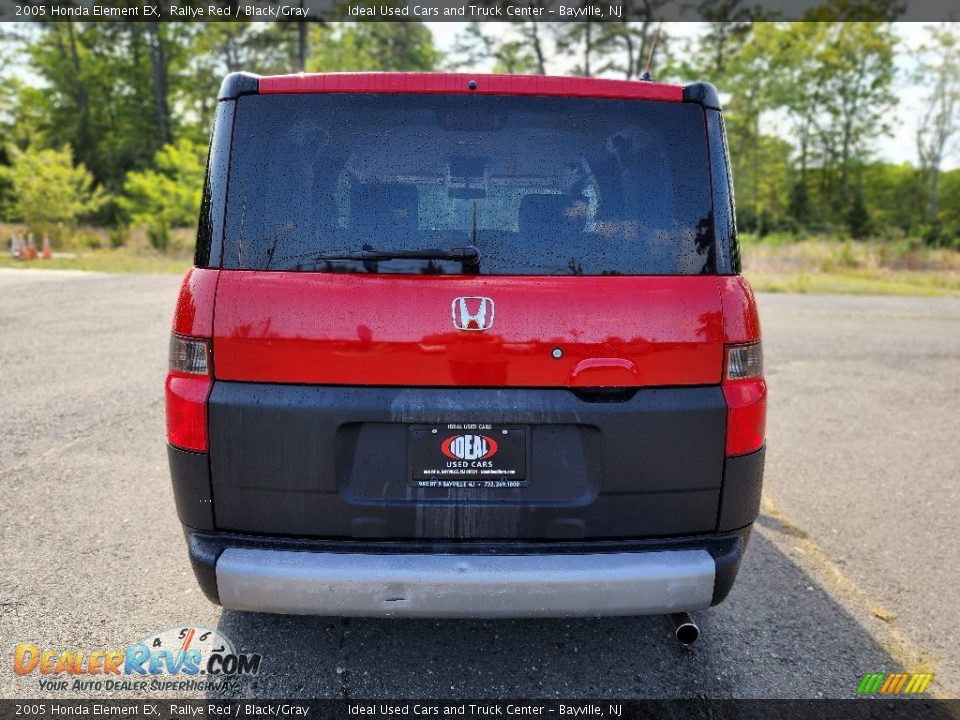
238,83
243,83
702,93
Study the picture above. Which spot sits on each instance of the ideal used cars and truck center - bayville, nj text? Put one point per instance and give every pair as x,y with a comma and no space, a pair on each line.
281,11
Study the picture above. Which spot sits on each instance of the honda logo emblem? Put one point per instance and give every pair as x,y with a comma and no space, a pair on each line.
472,313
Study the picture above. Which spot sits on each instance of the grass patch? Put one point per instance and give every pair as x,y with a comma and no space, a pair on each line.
821,265
927,284
105,250
120,260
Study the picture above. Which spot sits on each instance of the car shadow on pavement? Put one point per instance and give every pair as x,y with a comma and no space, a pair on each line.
777,635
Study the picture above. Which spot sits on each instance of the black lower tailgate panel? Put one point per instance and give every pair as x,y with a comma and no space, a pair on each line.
332,462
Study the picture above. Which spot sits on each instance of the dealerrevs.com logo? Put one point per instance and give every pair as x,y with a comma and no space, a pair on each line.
180,658
469,447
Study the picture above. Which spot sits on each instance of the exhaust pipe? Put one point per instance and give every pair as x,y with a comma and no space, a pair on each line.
684,628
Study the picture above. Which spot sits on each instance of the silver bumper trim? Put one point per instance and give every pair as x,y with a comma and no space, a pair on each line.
465,586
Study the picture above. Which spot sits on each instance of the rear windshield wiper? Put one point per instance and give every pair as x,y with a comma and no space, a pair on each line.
467,255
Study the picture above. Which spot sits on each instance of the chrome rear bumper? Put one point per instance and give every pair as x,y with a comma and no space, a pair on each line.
465,586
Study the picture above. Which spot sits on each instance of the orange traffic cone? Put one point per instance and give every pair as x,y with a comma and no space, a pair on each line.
22,252
47,252
32,247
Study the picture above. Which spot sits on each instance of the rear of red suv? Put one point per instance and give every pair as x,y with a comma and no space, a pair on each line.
466,346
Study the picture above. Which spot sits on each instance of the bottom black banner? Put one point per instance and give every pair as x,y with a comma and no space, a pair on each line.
914,709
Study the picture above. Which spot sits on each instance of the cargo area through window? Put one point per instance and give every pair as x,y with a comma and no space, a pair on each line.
539,185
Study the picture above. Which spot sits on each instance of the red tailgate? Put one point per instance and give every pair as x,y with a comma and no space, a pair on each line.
340,329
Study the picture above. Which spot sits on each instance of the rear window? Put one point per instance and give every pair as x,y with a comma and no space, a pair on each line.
539,185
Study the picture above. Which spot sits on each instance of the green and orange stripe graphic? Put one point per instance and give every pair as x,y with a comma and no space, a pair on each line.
894,683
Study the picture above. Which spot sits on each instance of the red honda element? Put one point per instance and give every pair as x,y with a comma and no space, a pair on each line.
466,346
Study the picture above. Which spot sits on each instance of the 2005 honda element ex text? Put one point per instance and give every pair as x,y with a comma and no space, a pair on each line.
466,346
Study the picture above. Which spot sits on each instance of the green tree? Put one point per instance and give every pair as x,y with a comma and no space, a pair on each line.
750,78
168,195
9,90
832,80
938,70
373,46
8,83
531,36
582,39
523,49
891,196
471,47
50,193
858,217
636,40
728,26
762,178
224,47
949,209
852,67
798,207
845,10
110,92
508,54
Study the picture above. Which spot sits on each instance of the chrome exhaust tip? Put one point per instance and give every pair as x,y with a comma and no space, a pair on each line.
684,628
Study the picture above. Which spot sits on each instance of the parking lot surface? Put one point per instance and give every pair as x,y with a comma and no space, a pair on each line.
852,567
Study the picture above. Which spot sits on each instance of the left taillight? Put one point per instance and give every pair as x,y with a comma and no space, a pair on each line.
188,386
745,391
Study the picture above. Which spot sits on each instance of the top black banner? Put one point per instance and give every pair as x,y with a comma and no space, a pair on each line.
476,10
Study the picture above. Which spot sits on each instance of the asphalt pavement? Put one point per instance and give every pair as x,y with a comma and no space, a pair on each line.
852,567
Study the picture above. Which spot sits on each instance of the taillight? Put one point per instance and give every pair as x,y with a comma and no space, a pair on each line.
745,361
188,387
746,394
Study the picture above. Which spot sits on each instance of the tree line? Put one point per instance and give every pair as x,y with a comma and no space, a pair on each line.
110,121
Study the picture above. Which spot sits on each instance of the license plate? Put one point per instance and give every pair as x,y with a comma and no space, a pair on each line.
468,455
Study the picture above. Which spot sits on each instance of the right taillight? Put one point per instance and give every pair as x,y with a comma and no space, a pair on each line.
187,389
746,394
